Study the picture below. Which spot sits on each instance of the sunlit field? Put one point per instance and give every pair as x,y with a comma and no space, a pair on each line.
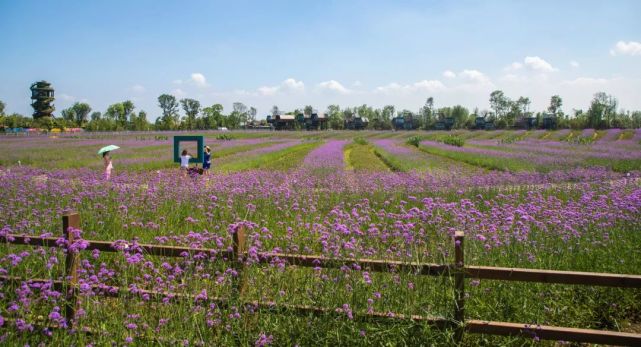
559,200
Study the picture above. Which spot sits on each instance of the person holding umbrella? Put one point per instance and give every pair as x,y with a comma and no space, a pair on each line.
106,158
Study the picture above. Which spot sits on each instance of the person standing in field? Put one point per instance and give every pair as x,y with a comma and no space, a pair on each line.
184,160
207,160
106,158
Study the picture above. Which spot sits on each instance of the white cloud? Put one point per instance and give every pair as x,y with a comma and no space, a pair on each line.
67,97
535,64
449,74
137,88
288,85
199,79
420,86
538,64
334,86
514,66
474,76
292,84
357,84
178,93
575,64
626,48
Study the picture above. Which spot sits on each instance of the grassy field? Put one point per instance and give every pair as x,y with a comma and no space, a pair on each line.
524,199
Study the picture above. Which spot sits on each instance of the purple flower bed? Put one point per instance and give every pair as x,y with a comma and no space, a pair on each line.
328,155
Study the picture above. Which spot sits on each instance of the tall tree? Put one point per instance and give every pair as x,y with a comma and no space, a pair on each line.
69,115
602,111
169,107
191,108
460,115
335,117
82,111
214,116
239,113
139,122
116,113
308,110
386,116
524,105
123,118
555,104
252,114
2,106
427,113
500,104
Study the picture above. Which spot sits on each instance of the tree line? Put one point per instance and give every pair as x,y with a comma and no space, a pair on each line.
504,112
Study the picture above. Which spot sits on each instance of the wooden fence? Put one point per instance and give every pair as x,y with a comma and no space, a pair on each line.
458,270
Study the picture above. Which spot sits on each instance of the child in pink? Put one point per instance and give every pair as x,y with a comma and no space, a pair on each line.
106,158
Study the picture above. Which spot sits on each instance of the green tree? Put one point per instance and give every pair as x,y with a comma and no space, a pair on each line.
427,113
191,108
81,110
128,108
169,107
335,117
555,104
499,103
2,106
387,113
460,115
602,111
119,114
252,114
139,122
239,114
308,110
213,116
68,114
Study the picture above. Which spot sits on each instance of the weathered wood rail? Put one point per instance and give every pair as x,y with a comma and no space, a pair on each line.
459,271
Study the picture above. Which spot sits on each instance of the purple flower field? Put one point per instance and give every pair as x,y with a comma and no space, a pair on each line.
574,216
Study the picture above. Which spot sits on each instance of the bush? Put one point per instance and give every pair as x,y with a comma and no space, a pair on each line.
225,137
512,138
454,141
360,141
414,141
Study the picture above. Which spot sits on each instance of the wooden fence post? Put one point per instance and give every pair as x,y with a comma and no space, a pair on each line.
239,244
71,220
459,285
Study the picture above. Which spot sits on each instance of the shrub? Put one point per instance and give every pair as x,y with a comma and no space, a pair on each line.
454,141
360,141
225,137
414,141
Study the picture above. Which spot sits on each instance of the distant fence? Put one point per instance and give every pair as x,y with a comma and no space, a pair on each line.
458,270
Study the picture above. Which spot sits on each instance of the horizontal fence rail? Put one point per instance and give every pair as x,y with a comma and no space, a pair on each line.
553,276
458,270
480,272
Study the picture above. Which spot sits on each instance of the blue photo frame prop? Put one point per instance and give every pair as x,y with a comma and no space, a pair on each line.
200,145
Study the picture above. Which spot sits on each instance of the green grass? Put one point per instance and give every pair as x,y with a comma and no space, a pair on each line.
626,134
616,165
394,163
487,162
279,160
227,151
363,158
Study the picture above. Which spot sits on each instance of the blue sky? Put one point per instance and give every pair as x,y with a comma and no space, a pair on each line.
293,53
